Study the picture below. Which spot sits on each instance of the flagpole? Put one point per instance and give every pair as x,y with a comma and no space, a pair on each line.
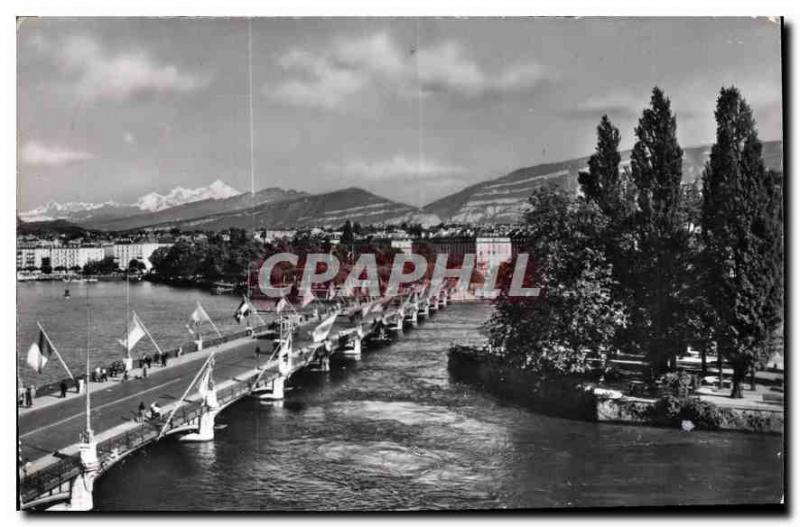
127,312
209,319
147,332
185,393
60,359
86,379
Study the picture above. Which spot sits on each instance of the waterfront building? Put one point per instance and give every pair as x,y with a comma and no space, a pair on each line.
124,253
405,246
32,257
491,251
71,256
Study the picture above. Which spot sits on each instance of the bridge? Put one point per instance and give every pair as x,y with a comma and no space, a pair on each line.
70,449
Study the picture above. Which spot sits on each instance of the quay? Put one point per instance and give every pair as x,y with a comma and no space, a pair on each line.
68,449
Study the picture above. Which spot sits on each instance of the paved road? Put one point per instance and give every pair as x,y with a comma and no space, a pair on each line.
49,429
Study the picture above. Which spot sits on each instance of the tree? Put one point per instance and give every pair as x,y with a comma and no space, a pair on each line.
136,266
347,233
743,238
659,264
603,183
575,318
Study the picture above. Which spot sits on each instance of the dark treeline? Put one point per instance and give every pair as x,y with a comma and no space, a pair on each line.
643,264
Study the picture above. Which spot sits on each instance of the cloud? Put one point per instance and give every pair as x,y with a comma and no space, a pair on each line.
398,166
321,84
34,153
617,103
98,74
348,66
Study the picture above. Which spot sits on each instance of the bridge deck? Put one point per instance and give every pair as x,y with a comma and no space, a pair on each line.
50,432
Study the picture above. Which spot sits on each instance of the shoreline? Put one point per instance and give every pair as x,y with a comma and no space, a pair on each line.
584,400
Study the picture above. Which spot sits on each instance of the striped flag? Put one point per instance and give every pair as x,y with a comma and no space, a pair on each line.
243,310
39,352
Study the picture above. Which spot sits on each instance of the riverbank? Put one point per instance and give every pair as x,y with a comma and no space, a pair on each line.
577,398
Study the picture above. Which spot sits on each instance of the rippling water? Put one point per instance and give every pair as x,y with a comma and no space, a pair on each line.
393,432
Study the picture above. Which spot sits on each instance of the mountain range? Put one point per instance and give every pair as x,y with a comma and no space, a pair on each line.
219,206
79,212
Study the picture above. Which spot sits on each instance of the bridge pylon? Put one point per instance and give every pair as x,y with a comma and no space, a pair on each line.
81,488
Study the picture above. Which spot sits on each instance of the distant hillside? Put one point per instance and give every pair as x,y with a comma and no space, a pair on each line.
322,210
504,200
193,210
39,228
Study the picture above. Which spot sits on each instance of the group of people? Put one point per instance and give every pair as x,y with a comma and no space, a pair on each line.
26,395
153,413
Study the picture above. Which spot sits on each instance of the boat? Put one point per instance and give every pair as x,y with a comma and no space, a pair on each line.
222,288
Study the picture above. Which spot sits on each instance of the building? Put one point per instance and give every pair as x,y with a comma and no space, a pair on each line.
124,253
490,252
31,257
71,256
406,246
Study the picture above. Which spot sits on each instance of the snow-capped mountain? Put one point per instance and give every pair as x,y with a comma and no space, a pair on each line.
76,211
154,201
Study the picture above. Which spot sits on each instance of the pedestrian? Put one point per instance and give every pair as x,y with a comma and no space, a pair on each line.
63,387
142,409
33,393
104,375
144,371
163,360
28,397
141,362
148,360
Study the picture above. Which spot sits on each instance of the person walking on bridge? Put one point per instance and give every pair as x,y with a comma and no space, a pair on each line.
142,410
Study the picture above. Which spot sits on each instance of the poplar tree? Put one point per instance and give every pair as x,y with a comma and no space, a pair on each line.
660,262
603,183
743,239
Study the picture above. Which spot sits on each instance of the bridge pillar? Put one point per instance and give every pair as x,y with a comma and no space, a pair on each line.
353,349
80,496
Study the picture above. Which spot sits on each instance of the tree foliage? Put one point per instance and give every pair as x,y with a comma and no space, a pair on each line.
574,318
742,232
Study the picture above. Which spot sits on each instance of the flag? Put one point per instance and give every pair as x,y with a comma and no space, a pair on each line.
38,353
320,333
135,334
281,305
308,297
242,311
199,314
191,331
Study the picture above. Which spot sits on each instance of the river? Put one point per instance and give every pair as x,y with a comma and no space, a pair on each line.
393,432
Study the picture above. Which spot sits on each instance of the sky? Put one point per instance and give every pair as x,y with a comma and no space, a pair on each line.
412,109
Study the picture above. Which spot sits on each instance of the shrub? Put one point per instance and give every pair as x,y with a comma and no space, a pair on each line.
671,410
680,383
704,415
